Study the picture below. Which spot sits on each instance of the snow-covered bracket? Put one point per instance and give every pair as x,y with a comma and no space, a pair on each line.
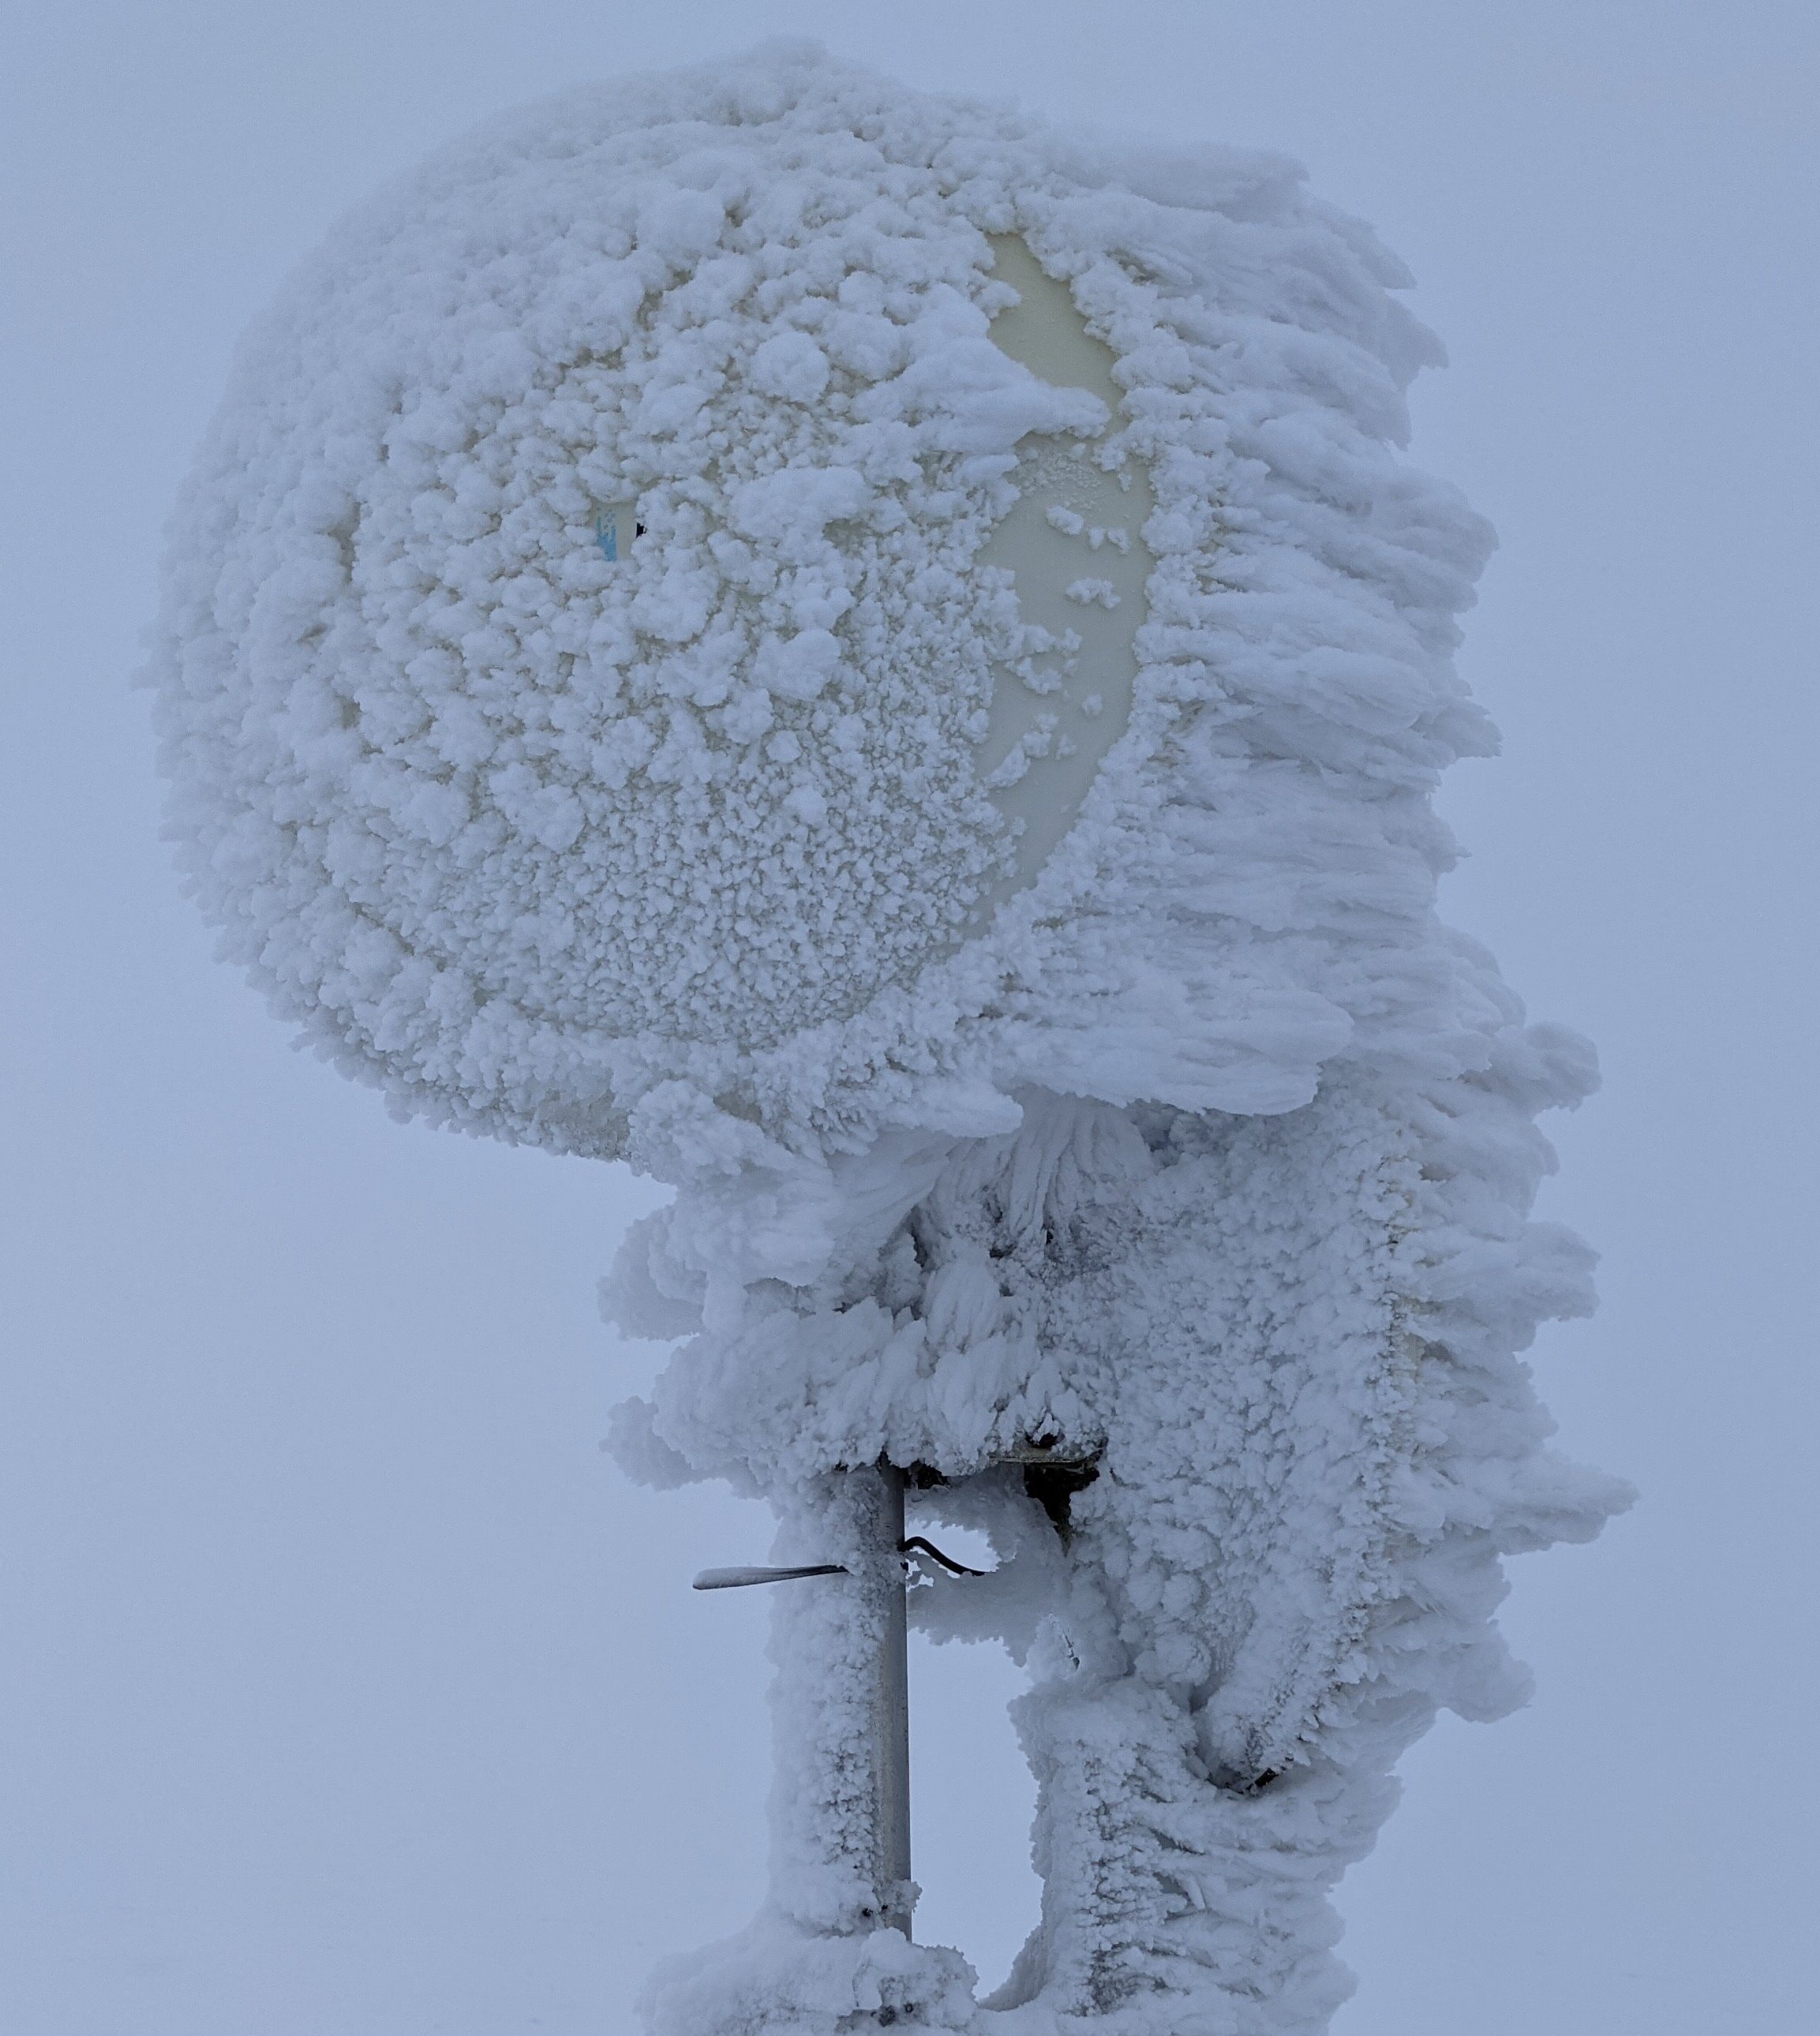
1074,545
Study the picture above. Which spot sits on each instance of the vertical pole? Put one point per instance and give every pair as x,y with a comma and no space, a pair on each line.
891,1702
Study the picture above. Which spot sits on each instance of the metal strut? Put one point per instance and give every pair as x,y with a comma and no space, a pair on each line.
882,1576
738,1579
884,1581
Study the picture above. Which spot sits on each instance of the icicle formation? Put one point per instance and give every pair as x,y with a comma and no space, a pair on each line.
874,657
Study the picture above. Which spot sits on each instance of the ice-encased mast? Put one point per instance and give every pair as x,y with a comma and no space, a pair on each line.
877,658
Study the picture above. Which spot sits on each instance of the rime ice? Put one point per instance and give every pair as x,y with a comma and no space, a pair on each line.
603,710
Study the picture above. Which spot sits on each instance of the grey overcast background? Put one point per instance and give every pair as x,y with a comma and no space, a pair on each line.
348,1689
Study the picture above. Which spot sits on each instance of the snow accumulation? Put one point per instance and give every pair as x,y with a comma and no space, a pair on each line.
617,698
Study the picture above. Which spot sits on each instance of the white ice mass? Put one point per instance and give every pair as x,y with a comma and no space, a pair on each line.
877,659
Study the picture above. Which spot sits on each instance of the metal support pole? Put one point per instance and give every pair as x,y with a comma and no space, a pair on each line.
891,1701
872,1501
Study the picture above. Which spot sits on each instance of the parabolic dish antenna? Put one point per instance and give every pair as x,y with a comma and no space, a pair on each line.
597,658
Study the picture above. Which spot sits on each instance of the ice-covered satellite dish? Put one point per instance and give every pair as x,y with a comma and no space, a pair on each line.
664,626
879,658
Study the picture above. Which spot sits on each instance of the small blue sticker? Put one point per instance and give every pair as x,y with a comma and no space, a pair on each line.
616,529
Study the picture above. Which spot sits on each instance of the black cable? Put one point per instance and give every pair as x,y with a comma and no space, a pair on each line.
916,1545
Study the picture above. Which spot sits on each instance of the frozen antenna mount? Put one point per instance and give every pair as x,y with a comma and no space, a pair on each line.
879,662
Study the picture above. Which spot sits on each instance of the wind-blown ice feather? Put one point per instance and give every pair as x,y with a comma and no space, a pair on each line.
1201,1148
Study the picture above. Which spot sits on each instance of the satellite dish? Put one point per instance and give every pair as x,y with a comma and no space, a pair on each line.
560,698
